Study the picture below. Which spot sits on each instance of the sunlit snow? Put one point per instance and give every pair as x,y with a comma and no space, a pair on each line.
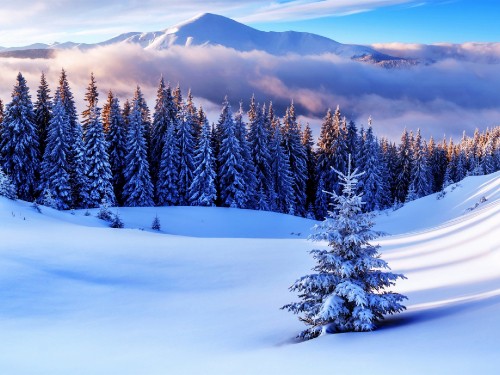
202,296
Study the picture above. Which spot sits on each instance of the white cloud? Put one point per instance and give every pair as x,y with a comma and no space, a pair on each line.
446,97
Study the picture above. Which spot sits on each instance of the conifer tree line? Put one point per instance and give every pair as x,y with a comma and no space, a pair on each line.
126,154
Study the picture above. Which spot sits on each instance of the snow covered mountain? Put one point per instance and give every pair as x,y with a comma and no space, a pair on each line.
202,296
211,29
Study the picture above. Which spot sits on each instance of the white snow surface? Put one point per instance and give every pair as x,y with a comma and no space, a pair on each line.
202,296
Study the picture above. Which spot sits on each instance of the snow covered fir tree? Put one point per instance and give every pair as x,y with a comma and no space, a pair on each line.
348,292
173,156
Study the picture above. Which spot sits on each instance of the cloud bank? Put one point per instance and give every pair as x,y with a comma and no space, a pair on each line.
443,98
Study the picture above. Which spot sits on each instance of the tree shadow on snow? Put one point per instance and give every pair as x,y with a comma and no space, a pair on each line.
440,311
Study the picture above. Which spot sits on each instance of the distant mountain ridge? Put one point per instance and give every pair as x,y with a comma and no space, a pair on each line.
210,29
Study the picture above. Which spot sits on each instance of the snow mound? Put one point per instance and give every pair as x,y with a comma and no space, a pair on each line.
465,197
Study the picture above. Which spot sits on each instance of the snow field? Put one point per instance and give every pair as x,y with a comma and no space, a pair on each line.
203,294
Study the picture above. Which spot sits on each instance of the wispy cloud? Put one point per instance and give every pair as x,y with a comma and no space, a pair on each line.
309,9
446,97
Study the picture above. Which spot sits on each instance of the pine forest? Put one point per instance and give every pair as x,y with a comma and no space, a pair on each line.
127,155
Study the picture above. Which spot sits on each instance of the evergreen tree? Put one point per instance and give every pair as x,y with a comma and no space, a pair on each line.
437,162
322,200
77,161
404,167
260,151
55,169
298,160
98,169
282,180
324,163
91,97
202,190
43,109
420,184
19,145
474,155
389,154
165,115
167,184
76,154
145,117
178,100
461,164
308,143
488,161
155,225
348,292
106,113
371,181
186,145
231,175
1,114
138,189
116,141
7,189
249,172
126,114
352,142
193,114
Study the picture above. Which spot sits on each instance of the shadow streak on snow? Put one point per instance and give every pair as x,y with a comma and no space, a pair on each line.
430,237
449,263
441,311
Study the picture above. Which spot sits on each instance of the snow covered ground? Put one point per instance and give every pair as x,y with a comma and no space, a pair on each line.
203,295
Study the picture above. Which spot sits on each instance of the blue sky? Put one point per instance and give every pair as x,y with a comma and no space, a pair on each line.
348,21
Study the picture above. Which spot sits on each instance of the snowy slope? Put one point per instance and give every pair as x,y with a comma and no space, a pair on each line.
203,295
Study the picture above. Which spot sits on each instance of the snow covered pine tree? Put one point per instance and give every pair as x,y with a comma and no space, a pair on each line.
347,292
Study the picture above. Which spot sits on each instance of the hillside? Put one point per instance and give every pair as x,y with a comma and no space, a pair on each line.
203,295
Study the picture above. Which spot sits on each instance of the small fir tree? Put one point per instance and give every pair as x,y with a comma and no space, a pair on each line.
104,212
116,222
156,224
348,291
7,189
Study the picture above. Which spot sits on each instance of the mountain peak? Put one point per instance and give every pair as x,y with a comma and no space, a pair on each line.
212,29
209,21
